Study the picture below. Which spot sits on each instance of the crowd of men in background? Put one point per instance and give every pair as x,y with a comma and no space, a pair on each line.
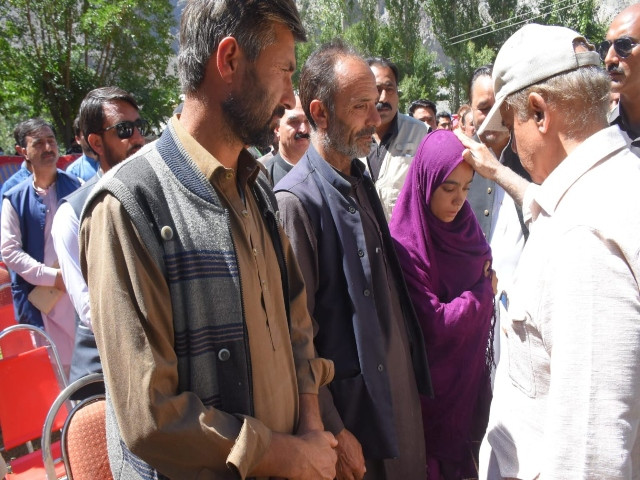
308,361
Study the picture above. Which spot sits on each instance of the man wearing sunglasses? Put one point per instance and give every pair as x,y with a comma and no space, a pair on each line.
621,54
109,118
197,302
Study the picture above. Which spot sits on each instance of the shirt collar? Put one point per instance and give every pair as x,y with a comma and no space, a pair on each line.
598,146
211,168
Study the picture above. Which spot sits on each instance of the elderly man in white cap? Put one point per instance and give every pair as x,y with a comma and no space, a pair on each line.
566,395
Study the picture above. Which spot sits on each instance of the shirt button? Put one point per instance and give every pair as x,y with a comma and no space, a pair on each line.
366,293
224,355
245,213
255,252
166,233
380,368
489,190
352,210
360,253
229,175
378,249
486,213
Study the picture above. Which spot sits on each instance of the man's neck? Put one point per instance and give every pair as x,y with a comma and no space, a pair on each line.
288,158
336,160
43,178
631,109
206,125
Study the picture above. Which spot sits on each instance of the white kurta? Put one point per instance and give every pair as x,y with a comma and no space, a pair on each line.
567,395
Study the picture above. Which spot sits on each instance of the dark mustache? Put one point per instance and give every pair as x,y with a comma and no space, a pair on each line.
381,105
298,136
366,132
614,69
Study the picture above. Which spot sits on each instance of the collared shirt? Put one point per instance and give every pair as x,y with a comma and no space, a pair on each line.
83,167
618,117
379,150
565,402
59,323
188,438
64,231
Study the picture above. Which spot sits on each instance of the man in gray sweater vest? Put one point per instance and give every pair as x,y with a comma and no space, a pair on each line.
197,302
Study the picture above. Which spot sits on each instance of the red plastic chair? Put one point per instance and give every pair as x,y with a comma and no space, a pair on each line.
84,436
19,341
31,380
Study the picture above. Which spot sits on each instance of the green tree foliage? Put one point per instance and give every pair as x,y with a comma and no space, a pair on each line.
53,52
472,31
394,35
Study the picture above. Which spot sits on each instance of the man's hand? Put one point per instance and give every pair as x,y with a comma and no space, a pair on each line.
319,456
59,283
488,271
350,464
483,161
479,156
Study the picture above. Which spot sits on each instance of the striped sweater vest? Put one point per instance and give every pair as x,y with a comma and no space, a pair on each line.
187,230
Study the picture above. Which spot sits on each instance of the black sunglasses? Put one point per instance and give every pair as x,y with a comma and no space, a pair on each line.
124,129
623,47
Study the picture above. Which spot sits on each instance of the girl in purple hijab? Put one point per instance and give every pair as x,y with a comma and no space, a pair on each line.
446,263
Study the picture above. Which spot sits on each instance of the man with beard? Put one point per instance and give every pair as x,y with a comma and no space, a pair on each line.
621,56
26,244
293,141
197,303
396,138
355,290
110,122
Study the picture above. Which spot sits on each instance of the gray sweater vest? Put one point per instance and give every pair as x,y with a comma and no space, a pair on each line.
186,229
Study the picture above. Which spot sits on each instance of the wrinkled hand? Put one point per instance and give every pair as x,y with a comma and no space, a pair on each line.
59,283
479,156
350,464
318,450
488,271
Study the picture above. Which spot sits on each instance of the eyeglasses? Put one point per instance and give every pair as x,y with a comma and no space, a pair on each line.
623,47
124,129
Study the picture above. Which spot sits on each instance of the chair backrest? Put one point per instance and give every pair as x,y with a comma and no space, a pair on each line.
19,341
31,380
84,436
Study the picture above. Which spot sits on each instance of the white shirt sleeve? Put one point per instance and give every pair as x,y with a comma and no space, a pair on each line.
15,257
592,304
65,241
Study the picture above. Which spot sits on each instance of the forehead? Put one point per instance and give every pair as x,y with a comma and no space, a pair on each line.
42,132
423,111
117,110
383,75
281,52
355,81
482,90
444,120
626,24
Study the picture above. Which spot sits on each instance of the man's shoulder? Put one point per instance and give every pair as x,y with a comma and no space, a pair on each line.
413,125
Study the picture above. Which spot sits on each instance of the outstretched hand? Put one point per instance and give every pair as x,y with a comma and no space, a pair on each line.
479,156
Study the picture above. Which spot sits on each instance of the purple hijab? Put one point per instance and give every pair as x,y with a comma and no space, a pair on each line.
443,266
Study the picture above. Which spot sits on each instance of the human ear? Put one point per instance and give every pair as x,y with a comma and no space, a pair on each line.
95,142
319,114
227,56
540,111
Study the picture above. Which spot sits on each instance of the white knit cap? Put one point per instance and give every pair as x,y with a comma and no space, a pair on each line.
531,55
